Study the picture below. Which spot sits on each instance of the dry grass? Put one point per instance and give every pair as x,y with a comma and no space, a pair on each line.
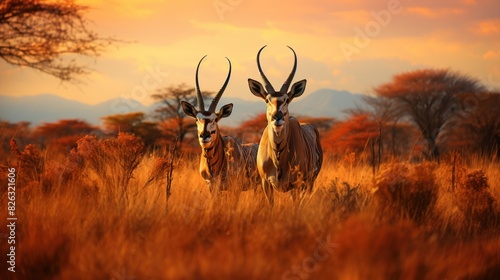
407,224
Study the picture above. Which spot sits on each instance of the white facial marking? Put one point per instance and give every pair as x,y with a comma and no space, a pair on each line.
206,124
211,127
200,116
275,105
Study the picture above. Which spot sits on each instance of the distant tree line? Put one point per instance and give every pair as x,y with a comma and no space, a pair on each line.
423,113
417,115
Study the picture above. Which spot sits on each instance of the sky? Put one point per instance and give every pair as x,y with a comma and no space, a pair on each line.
351,45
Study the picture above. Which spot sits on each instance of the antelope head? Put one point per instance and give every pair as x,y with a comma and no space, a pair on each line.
277,101
206,120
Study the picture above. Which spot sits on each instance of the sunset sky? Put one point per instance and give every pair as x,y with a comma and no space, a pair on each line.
346,45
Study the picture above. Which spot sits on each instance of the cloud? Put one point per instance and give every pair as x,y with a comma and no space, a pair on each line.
353,16
488,27
367,73
491,55
433,12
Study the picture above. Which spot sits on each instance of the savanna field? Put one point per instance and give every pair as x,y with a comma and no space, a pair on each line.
101,212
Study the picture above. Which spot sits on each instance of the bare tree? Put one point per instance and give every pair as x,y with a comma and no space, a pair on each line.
46,35
429,99
388,113
170,111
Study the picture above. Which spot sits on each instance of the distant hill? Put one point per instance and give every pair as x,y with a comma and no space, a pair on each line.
325,103
51,108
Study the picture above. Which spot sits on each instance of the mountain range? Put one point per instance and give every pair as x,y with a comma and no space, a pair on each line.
46,108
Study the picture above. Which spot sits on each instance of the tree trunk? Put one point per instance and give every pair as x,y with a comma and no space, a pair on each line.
434,151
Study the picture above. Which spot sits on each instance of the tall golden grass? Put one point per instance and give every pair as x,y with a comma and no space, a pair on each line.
101,213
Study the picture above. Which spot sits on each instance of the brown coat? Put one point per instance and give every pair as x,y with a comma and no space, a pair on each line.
227,157
292,160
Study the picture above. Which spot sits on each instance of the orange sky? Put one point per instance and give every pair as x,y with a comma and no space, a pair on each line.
352,45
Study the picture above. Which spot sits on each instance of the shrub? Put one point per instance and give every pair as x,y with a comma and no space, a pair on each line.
30,164
406,190
474,200
113,160
345,198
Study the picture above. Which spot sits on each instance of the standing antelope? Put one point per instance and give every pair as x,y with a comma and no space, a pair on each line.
290,154
219,155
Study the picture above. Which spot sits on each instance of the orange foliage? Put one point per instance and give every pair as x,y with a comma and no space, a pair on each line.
429,98
181,130
351,135
19,131
64,128
477,126
30,163
250,130
135,123
62,135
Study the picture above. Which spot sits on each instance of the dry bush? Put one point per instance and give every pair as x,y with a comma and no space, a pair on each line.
157,174
347,200
365,248
406,190
112,160
30,163
474,200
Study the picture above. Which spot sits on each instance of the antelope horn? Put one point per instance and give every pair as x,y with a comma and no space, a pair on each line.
268,85
216,99
288,81
199,97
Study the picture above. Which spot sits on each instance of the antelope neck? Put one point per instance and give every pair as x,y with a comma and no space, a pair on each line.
214,156
278,144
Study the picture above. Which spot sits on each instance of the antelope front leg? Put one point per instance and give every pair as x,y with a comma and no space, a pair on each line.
268,191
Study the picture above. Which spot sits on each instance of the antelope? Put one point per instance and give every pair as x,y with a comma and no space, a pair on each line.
290,155
220,156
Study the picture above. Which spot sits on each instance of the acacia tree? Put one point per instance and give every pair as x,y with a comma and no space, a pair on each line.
45,35
429,99
477,123
135,123
169,110
63,133
64,128
21,132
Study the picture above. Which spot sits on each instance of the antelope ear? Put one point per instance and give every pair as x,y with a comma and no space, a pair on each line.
256,88
225,111
189,109
297,89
